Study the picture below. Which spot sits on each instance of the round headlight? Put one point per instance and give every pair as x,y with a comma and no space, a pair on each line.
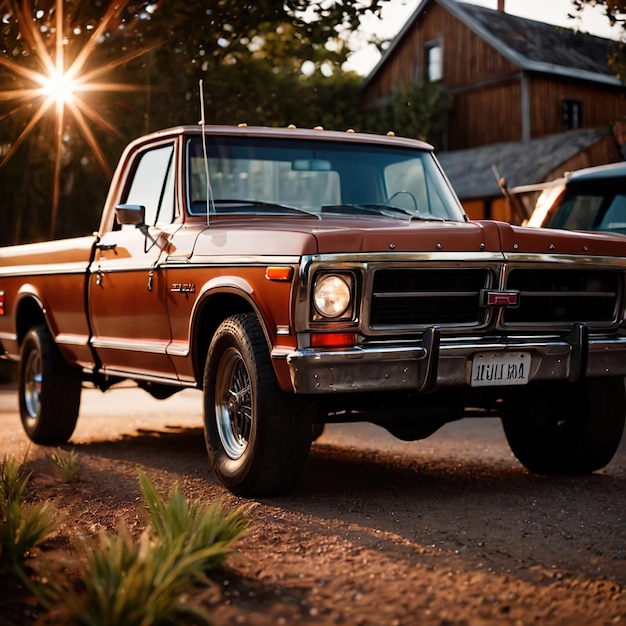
332,295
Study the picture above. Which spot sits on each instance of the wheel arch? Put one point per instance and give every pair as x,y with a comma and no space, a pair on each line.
212,308
30,311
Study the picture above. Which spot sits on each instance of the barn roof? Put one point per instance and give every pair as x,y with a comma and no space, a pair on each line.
528,44
471,172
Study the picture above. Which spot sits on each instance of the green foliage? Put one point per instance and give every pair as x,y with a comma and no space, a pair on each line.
197,528
23,526
68,464
152,56
144,582
123,581
417,111
13,481
614,11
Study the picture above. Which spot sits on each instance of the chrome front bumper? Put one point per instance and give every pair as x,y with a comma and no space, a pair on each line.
438,362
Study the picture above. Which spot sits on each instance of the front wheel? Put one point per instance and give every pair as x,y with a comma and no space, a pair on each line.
49,390
569,428
258,438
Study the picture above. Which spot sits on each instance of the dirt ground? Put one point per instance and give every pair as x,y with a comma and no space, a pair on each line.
450,531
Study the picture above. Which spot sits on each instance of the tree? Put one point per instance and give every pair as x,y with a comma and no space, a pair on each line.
615,11
413,111
148,58
141,64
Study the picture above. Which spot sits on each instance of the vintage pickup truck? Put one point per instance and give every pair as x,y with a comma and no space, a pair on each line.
301,277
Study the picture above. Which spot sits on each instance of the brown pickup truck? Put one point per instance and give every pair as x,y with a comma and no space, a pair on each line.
300,277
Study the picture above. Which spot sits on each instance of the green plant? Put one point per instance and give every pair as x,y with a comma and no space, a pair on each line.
23,526
142,583
68,464
123,581
206,529
13,481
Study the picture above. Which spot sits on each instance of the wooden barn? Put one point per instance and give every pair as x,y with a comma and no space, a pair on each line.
514,82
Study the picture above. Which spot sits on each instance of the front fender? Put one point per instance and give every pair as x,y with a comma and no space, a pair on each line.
218,298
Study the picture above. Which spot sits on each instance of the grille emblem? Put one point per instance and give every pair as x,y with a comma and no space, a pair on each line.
500,299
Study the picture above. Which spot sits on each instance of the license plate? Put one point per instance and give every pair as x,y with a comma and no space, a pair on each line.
498,369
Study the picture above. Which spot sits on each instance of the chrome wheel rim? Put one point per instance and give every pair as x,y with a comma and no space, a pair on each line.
32,385
233,404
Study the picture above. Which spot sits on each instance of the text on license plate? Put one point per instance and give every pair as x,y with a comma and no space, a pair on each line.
494,369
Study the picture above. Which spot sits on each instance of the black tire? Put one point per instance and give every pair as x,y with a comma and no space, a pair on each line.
49,390
571,429
258,438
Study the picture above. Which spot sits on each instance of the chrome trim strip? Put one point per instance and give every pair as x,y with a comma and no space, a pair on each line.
134,375
554,260
71,339
551,259
389,259
43,269
131,345
207,260
178,348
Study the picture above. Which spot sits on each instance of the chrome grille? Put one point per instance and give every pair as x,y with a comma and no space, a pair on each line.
562,297
426,297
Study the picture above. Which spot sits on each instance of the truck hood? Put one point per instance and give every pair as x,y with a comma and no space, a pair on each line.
287,237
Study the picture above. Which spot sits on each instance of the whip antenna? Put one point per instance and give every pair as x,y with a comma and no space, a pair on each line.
208,191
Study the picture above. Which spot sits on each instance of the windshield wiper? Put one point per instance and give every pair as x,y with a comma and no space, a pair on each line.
235,203
380,208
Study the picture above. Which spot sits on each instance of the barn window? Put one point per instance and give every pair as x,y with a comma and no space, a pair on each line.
572,114
433,61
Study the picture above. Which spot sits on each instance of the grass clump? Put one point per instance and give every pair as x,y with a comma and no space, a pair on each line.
122,581
144,583
201,529
23,526
68,464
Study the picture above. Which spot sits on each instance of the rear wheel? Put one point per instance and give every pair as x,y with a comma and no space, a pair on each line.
49,390
570,428
258,438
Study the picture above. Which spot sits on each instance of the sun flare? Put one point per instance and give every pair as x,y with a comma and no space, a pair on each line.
57,85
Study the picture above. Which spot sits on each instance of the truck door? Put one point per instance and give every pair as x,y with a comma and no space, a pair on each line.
127,289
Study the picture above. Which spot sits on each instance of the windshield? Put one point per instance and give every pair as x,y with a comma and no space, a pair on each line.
315,179
602,208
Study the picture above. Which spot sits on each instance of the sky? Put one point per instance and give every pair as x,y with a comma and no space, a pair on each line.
397,12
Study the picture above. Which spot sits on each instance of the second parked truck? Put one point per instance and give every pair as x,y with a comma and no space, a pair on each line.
300,277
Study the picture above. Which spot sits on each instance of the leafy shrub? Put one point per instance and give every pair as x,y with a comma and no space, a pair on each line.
143,583
68,464
201,529
122,581
23,526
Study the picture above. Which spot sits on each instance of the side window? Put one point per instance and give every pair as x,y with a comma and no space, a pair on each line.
572,113
577,212
153,185
433,61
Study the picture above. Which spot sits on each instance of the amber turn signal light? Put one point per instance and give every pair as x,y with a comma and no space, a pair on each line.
278,273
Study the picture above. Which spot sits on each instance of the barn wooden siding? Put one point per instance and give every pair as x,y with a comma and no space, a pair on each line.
488,90
601,105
